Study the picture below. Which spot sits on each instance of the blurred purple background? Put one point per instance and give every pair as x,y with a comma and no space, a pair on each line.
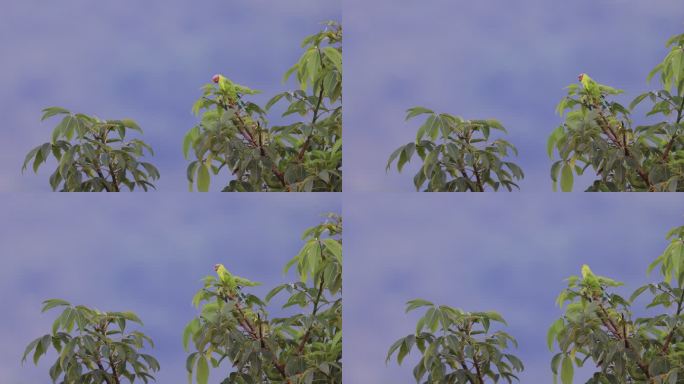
510,254
501,59
143,60
145,254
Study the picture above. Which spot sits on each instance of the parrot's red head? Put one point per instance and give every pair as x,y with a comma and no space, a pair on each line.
216,267
580,77
216,78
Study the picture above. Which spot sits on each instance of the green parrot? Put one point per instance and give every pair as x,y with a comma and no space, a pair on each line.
594,282
588,83
232,90
593,95
231,281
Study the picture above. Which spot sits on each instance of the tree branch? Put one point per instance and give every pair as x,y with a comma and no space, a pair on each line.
245,321
477,177
316,110
668,339
114,372
305,338
248,136
104,180
115,183
101,367
680,115
604,124
616,332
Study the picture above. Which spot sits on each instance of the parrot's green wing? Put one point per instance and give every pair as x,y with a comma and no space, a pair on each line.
231,280
593,279
245,90
233,89
225,276
609,282
242,282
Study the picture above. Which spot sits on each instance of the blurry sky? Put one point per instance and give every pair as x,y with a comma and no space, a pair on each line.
143,60
501,59
146,254
509,254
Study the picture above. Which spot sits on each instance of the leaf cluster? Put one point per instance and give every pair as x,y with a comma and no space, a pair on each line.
93,155
94,347
458,155
303,348
458,346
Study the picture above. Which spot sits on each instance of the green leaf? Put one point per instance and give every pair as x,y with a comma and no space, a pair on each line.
32,153
274,100
555,328
52,111
203,178
334,247
638,292
567,370
52,303
128,123
638,100
202,370
405,156
415,111
566,178
189,330
30,347
392,157
391,350
417,303
275,291
189,140
553,139
68,125
335,56
495,316
131,317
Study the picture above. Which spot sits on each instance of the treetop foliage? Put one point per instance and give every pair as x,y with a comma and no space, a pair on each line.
93,155
94,347
599,133
602,327
237,327
234,133
458,346
458,155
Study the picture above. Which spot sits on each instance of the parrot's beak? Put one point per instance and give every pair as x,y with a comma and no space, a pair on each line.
580,77
216,78
216,267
